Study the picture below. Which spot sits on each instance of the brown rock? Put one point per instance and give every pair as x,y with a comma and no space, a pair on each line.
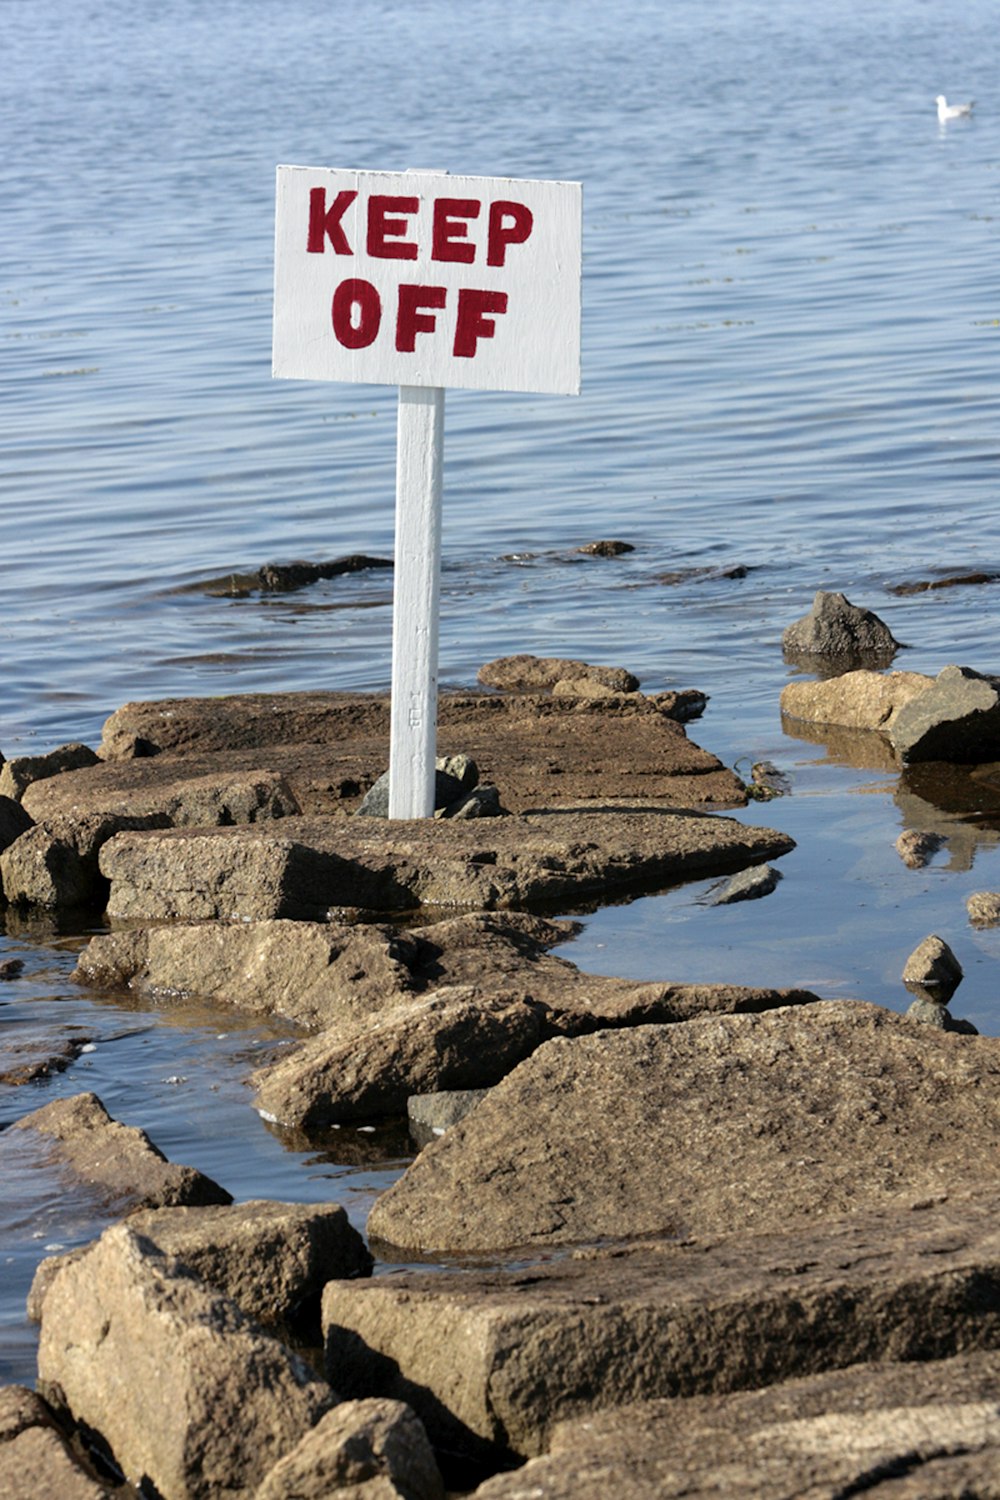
180,1386
917,848
606,548
13,821
271,1259
888,1431
540,750
738,1122
362,1450
56,864
35,1460
454,1040
303,868
490,1360
182,802
529,673
118,1161
983,908
19,773
855,700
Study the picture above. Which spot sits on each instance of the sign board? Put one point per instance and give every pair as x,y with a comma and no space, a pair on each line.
424,279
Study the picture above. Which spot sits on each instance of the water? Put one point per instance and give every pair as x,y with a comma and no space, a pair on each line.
791,315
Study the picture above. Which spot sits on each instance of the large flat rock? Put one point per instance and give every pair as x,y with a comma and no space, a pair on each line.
540,750
887,1431
304,868
721,1124
492,1359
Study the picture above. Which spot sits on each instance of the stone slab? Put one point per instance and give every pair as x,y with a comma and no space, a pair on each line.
491,1360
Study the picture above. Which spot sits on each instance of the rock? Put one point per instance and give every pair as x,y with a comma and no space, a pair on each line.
933,967
19,773
454,1040
929,1013
14,821
56,864
27,1058
956,719
530,673
481,802
11,968
916,848
35,1460
836,628
951,581
304,868
119,1162
430,1115
747,885
184,1390
491,1359
284,577
853,700
890,1431
983,908
271,1259
606,549
454,777
739,1122
362,1450
181,801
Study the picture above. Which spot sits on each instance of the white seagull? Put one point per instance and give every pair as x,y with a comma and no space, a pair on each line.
948,111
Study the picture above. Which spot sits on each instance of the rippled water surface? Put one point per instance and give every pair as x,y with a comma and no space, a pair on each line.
791,323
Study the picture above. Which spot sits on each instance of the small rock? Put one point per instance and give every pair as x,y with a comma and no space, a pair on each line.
430,1115
836,627
984,908
747,885
454,777
933,966
376,1442
526,673
10,968
481,802
606,549
916,849
930,1012
19,773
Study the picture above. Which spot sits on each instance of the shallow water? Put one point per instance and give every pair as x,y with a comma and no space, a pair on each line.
791,314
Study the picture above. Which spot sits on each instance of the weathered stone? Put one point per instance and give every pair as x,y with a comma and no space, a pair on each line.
182,801
529,673
491,1359
57,864
303,868
737,1121
18,773
747,885
185,1391
362,1450
933,966
118,1161
854,700
481,802
14,821
917,848
28,1058
606,548
836,628
957,719
984,908
542,750
454,776
454,1040
583,687
929,1013
35,1460
271,1259
949,581
430,1115
887,1431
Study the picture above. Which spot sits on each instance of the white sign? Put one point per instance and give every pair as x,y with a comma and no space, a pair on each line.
423,279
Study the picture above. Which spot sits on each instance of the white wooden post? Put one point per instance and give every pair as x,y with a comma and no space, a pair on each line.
416,590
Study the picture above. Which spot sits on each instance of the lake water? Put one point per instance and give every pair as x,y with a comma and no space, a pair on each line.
791,329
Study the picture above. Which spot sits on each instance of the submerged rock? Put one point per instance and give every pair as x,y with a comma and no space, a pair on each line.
526,673
749,885
916,848
984,908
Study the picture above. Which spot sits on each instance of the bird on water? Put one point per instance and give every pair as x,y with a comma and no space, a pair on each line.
948,111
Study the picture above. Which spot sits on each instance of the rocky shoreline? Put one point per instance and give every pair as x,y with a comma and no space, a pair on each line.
690,1239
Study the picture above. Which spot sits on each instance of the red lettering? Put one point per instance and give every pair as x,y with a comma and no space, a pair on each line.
356,332
410,320
510,224
384,233
325,222
450,239
472,324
